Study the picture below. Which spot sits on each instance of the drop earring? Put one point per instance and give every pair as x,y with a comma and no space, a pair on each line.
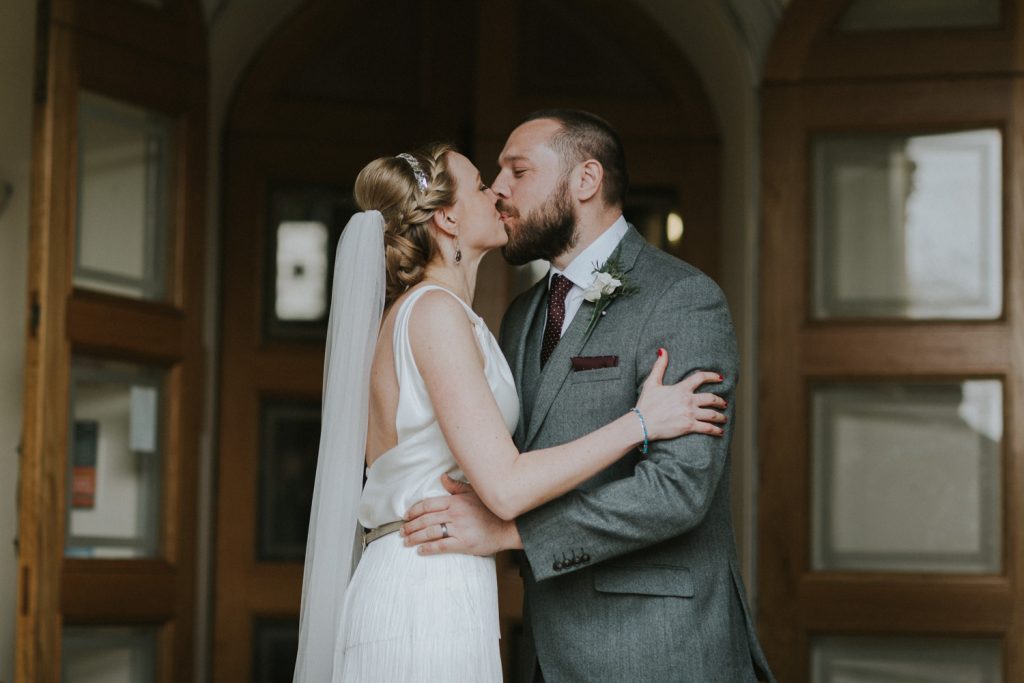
458,251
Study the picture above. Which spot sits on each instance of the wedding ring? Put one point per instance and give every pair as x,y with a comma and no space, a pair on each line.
444,530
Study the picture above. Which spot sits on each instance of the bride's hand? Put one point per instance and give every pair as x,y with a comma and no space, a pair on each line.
675,409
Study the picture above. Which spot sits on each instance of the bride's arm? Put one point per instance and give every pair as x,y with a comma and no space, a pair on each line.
509,482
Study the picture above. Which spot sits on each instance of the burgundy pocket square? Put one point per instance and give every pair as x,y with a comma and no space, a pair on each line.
580,363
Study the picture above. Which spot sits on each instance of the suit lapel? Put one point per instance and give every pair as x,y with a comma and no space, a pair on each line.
559,364
556,370
519,362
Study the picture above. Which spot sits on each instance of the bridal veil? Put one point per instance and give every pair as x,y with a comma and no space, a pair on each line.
333,541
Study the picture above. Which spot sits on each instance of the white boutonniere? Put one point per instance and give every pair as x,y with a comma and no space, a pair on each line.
610,282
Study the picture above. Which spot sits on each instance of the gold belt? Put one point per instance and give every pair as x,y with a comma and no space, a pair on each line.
383,530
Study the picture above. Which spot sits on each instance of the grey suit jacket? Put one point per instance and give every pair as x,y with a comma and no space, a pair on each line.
633,576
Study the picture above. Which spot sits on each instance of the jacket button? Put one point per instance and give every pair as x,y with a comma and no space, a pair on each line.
585,558
557,566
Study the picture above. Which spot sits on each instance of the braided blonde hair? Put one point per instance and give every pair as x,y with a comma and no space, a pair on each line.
389,185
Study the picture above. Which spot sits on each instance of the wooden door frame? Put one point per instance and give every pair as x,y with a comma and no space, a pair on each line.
155,59
819,81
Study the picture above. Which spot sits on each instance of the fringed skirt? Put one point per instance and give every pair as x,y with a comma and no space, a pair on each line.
411,618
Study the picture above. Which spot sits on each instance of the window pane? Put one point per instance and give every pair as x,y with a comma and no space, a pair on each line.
108,655
302,234
115,459
275,643
123,198
873,15
288,454
301,292
837,659
908,226
906,477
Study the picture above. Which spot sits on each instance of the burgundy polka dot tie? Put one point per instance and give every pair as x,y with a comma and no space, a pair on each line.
557,290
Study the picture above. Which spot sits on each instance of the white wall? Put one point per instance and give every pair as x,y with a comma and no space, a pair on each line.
17,39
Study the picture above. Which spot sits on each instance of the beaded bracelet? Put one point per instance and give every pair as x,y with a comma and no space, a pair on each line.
643,426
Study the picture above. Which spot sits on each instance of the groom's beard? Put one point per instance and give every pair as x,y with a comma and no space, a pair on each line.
545,232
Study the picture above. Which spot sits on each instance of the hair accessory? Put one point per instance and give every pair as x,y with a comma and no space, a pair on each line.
417,170
643,426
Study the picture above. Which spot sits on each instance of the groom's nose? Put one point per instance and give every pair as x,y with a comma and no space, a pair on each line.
500,186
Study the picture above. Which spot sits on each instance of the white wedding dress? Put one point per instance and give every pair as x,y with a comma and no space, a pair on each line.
408,617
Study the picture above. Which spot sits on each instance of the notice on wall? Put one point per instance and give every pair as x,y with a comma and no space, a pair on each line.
83,464
143,419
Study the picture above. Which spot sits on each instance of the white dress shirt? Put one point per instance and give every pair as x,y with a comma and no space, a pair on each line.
580,270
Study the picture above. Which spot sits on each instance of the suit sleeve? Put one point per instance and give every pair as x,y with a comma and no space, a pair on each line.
670,491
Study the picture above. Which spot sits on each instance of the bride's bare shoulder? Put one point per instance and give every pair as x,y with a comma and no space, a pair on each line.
437,308
439,324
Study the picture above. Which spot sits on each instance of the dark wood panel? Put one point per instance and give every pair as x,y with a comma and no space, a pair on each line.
145,590
783,498
111,325
813,48
936,350
911,604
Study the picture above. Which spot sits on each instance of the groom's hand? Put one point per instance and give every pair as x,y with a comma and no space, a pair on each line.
472,528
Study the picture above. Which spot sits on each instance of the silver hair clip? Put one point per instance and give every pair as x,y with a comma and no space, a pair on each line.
417,170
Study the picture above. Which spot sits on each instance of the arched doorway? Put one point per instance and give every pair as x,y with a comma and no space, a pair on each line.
341,83
892,342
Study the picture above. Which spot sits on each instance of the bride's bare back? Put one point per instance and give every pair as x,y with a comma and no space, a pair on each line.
381,435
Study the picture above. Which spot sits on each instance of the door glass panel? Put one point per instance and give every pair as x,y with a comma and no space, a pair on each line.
288,455
121,244
874,15
114,460
303,230
836,659
108,655
301,283
907,477
908,226
275,644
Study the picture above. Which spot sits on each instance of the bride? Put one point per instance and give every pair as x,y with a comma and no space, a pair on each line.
416,387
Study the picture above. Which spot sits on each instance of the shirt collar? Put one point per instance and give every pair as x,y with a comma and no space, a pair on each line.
580,270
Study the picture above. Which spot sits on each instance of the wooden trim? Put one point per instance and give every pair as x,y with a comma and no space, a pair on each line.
76,320
910,604
814,49
42,467
105,325
146,591
1014,388
924,350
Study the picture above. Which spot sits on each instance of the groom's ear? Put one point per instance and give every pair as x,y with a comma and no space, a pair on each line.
590,175
445,222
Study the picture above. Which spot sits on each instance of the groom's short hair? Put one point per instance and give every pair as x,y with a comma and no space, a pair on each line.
588,136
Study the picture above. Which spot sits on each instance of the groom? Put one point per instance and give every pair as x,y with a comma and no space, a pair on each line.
634,575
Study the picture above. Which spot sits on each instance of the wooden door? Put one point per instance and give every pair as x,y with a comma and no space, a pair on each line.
326,95
113,356
892,346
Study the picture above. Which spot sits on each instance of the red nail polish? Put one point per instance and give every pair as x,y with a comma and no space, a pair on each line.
660,352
